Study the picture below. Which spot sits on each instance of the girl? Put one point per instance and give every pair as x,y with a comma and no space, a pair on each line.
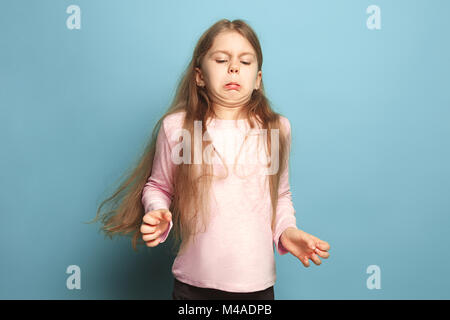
226,212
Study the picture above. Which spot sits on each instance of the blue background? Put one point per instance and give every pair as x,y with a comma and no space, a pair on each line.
369,111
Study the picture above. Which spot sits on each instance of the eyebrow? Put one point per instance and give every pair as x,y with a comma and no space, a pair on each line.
228,53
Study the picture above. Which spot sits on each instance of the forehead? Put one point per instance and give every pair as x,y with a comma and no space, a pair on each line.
231,43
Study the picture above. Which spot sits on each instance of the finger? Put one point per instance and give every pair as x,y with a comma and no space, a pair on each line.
153,243
316,259
150,219
151,236
304,261
323,245
160,214
146,228
154,217
322,254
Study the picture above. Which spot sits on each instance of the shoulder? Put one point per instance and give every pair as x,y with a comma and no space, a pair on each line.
173,121
285,124
285,121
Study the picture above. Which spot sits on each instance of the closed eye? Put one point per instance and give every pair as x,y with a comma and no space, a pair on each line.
244,62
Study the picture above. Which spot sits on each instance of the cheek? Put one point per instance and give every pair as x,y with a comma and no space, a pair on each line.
215,73
250,79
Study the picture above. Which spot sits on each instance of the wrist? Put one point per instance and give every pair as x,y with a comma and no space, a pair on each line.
285,233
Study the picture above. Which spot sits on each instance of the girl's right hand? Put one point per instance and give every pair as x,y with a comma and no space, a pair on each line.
154,224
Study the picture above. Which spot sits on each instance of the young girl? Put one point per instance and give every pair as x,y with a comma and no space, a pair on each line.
226,212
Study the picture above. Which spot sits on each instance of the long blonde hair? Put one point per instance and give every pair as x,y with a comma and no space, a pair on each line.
190,198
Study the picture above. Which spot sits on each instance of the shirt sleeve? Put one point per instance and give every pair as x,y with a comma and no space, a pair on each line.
285,210
158,191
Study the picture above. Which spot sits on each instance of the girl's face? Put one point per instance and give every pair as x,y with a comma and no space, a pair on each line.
230,59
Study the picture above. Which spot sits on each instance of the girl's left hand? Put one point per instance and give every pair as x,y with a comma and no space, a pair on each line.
304,246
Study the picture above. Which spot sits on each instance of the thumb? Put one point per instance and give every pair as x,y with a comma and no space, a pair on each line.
167,215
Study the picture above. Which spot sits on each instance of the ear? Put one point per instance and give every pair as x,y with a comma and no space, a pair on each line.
199,77
258,80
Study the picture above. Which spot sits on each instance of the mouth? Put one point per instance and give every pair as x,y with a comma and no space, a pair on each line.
232,85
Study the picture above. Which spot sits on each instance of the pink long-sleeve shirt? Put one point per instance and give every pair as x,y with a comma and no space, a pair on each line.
236,252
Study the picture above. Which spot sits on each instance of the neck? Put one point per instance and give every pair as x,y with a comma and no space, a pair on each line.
227,113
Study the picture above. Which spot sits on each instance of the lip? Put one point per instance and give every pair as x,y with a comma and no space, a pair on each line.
232,85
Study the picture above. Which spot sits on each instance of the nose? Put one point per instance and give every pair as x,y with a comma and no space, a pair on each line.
234,69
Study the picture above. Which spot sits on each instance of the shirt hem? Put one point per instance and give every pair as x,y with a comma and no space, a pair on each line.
225,286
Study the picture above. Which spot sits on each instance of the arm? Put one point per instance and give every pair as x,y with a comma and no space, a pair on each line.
158,191
285,217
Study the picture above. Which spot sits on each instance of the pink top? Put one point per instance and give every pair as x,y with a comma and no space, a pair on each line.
236,252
